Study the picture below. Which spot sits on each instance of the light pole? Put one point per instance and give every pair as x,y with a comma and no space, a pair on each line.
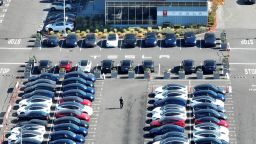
64,18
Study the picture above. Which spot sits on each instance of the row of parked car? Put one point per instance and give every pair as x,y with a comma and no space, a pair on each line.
169,114
74,109
209,115
34,109
40,104
129,41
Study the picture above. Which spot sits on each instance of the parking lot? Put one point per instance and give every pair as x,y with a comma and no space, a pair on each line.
125,126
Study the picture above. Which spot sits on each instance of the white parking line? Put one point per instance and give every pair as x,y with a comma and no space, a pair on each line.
242,63
17,48
12,63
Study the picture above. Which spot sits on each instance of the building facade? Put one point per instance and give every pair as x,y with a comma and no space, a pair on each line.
155,12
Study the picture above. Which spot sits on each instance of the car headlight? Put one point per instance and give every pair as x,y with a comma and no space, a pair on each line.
75,43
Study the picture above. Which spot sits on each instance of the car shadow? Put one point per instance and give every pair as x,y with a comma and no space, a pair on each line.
112,108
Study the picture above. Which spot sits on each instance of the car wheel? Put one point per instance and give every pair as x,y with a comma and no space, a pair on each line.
67,9
50,29
53,9
67,29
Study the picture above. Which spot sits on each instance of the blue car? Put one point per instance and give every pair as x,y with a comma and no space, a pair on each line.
170,40
28,84
64,141
174,140
209,66
170,100
208,106
73,120
87,76
79,93
39,93
209,93
71,40
40,86
190,39
67,134
51,41
151,39
169,134
71,127
210,87
78,86
166,128
49,76
77,80
209,112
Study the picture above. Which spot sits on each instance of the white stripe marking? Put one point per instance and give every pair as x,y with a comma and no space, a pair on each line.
242,63
2,48
12,63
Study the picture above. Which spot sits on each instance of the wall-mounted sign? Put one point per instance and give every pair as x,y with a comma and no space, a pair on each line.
165,12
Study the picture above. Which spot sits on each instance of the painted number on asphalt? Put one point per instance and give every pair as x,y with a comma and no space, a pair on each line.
247,42
14,41
250,71
129,56
4,70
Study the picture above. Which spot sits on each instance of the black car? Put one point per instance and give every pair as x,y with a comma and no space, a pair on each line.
249,2
45,64
34,115
130,41
90,40
34,121
126,65
190,39
209,66
1,2
209,40
148,64
51,41
107,66
71,40
151,39
73,120
188,66
170,40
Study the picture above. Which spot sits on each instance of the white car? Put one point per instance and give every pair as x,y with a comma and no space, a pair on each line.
167,94
173,140
60,6
75,106
211,126
206,99
209,133
171,87
59,26
29,108
112,40
174,113
13,138
28,127
42,100
85,65
169,106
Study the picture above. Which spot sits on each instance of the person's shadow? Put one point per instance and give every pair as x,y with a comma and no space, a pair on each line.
113,108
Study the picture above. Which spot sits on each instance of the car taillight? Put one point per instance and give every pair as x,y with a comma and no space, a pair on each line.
198,122
155,123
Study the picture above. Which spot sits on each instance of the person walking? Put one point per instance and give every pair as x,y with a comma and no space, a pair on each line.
121,102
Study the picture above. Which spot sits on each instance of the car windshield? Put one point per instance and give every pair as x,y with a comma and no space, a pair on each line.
188,63
130,37
148,63
84,63
63,62
112,37
209,36
52,38
43,63
72,37
189,35
170,36
106,63
209,63
91,37
126,63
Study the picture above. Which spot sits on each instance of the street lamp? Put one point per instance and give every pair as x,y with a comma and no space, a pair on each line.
65,19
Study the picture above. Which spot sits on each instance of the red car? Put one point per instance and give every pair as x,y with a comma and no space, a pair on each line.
76,99
168,120
75,113
66,64
213,120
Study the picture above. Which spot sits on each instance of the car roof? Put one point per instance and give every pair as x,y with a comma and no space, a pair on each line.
67,118
71,103
69,111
